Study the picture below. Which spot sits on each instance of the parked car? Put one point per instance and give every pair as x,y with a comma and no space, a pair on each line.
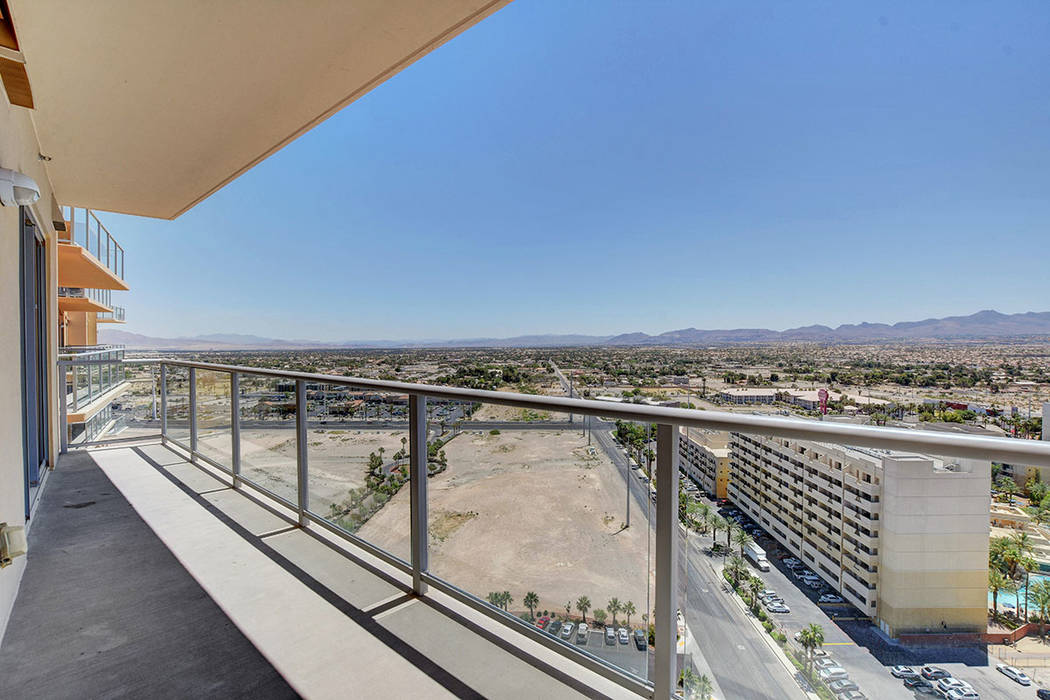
833,673
830,598
826,662
1013,673
554,628
945,685
962,694
610,635
780,609
622,636
903,672
1043,694
581,633
933,673
566,633
842,686
852,695
920,685
543,622
641,640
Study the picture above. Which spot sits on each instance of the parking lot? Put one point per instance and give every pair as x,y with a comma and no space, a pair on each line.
856,645
626,656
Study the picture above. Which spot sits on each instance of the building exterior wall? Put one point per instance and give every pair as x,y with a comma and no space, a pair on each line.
825,504
699,463
934,551
19,151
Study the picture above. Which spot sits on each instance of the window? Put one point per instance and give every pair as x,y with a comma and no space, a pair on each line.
33,285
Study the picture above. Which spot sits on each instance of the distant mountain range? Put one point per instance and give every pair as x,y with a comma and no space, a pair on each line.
983,325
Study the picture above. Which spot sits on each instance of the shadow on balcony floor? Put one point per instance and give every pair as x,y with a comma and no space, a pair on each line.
106,610
118,599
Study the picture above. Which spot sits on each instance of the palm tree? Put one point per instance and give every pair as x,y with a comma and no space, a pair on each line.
568,609
1039,594
736,567
495,599
717,523
703,516
613,606
742,539
531,600
507,599
755,587
583,604
996,582
599,616
1027,565
628,610
731,528
695,687
704,688
812,637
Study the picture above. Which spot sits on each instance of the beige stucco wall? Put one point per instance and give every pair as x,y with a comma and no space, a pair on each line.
19,151
933,549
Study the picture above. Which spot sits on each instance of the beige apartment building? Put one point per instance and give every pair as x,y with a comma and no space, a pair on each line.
903,537
705,460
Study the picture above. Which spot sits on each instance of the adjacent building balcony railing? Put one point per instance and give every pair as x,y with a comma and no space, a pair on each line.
114,316
85,230
219,415
90,371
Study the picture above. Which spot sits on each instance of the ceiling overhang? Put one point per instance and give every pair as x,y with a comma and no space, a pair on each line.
148,107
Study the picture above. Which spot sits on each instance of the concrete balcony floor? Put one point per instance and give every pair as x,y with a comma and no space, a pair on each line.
150,577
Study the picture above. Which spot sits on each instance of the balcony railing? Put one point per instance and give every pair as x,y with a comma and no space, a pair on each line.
117,314
90,371
201,412
86,231
102,296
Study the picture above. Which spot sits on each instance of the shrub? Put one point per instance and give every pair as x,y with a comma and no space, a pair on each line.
494,431
768,625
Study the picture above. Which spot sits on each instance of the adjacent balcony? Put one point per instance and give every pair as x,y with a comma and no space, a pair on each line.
88,256
94,375
114,316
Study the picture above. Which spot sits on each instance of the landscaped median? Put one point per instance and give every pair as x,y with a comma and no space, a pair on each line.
777,644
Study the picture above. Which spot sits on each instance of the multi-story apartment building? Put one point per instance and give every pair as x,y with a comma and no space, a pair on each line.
903,537
706,464
748,395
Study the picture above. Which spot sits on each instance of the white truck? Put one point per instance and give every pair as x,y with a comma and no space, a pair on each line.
757,555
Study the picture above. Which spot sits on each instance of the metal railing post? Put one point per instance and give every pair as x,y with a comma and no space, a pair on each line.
235,427
63,414
153,389
302,480
193,412
417,483
666,675
163,402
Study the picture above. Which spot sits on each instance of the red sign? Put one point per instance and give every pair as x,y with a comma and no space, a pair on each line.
823,395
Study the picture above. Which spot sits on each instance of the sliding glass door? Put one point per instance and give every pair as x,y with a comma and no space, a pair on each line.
35,415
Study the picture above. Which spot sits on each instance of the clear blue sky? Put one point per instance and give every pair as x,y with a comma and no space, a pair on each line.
605,167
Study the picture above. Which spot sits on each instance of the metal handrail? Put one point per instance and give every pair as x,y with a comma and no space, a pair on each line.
1009,450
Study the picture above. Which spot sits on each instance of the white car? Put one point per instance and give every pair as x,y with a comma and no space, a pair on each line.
829,598
962,694
946,685
581,633
1014,673
826,662
622,635
833,673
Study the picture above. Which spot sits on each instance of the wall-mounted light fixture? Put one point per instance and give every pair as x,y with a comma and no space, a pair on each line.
12,543
17,189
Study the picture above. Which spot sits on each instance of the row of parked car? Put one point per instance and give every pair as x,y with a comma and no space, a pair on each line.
581,632
932,680
812,581
834,676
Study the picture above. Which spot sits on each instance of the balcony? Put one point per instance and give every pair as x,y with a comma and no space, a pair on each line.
317,591
88,256
114,316
94,376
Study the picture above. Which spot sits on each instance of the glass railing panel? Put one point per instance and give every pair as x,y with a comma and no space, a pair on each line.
358,454
268,437
178,404
214,434
532,517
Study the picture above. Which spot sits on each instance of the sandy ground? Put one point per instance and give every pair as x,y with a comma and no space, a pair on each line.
337,459
527,511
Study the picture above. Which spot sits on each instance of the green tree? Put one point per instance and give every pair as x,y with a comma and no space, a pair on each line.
755,587
695,687
742,540
568,608
1039,596
583,604
613,606
811,638
599,616
507,599
996,583
495,599
628,610
717,523
531,600
736,567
